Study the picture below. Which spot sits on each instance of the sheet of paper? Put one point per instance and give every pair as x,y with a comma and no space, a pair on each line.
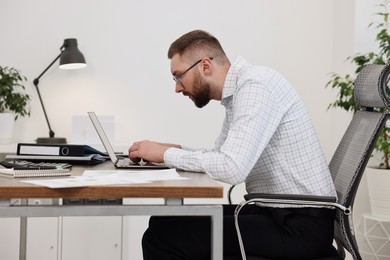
108,177
144,175
80,181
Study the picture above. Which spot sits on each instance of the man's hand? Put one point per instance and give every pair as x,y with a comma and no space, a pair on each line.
149,151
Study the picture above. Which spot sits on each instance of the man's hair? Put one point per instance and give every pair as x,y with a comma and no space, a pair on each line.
197,44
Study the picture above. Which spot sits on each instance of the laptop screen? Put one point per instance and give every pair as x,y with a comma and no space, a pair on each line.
103,136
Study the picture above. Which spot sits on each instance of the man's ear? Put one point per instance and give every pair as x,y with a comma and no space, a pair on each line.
206,66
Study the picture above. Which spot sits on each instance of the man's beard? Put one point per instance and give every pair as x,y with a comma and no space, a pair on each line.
202,91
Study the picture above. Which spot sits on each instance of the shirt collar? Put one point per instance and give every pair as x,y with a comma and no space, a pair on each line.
230,83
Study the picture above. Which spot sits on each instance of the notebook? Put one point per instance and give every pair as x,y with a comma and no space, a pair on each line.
34,173
25,169
119,163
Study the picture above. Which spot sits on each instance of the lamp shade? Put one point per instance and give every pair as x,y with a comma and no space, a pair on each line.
71,57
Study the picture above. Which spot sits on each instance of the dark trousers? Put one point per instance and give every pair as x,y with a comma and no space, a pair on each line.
278,233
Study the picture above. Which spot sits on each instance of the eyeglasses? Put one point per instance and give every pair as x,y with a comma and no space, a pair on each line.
177,78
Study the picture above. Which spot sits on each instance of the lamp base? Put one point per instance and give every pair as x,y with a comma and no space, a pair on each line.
51,140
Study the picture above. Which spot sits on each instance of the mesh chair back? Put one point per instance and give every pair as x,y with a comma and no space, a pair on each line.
355,148
370,88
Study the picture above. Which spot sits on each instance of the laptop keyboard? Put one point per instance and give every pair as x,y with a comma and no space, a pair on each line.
123,162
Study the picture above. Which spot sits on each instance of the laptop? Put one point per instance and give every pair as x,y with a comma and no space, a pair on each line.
119,162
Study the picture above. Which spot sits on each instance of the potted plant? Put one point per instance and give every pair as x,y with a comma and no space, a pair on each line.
13,102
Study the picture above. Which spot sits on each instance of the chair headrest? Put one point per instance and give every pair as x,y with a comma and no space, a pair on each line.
371,86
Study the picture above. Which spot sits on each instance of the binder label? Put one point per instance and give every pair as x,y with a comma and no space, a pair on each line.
40,150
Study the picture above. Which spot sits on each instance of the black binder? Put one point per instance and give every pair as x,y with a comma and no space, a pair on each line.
67,153
72,150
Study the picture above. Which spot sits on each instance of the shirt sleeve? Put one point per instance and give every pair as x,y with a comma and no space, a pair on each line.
247,129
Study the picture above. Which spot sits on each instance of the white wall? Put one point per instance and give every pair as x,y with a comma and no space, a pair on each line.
125,44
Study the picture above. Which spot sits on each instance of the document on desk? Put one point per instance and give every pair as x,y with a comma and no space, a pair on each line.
108,177
144,175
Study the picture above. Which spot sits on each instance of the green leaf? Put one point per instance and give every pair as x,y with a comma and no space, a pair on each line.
12,97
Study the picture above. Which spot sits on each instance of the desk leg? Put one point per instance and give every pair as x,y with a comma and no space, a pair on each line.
23,233
217,234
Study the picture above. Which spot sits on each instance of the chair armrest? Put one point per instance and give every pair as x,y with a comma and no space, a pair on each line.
305,200
290,197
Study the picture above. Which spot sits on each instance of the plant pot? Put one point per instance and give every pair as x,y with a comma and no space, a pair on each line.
6,127
378,181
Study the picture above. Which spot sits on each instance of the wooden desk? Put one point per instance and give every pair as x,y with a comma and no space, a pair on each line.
173,192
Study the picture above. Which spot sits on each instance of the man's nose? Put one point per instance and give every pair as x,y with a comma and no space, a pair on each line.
178,88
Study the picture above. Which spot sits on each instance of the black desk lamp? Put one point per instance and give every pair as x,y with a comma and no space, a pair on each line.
70,58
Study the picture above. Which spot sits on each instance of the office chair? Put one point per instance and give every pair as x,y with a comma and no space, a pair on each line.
347,164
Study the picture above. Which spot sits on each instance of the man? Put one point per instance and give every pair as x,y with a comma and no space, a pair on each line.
267,141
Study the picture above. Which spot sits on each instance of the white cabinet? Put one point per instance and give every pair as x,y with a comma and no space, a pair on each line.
91,238
42,238
64,238
9,238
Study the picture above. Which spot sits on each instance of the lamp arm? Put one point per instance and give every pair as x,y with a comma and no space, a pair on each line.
36,82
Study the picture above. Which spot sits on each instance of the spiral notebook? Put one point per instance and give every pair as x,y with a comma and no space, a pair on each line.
26,169
35,173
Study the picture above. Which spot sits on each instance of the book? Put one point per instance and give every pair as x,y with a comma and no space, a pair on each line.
33,173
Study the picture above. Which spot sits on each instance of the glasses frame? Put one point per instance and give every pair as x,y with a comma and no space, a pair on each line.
177,78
